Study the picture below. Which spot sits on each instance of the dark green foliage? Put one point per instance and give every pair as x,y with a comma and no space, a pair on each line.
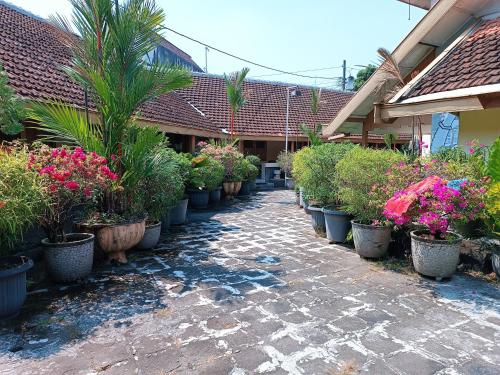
11,107
363,76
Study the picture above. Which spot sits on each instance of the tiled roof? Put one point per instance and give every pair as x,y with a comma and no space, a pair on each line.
165,43
265,110
32,53
475,61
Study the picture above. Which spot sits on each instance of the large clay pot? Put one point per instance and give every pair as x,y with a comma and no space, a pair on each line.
231,188
151,237
178,213
318,220
371,241
13,284
115,240
435,258
337,224
245,189
71,260
214,196
198,198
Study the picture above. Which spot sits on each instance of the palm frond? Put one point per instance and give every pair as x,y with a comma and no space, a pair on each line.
314,136
393,79
315,100
67,125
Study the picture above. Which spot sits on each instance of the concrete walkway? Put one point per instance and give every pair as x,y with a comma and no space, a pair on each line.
253,291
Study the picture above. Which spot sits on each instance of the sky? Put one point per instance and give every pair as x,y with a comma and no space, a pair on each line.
289,35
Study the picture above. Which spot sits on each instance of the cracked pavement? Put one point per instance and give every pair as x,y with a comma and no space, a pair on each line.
250,290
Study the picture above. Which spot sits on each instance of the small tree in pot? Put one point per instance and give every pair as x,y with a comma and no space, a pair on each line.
248,173
285,162
22,201
255,160
160,191
360,174
70,178
206,174
430,202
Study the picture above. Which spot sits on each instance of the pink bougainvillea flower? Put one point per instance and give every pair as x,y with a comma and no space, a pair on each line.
72,185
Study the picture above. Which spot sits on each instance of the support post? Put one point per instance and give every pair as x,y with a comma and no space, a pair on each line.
192,143
364,135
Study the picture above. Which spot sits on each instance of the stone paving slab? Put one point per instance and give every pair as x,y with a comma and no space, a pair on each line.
251,290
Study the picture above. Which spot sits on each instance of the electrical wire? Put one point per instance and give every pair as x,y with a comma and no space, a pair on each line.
246,60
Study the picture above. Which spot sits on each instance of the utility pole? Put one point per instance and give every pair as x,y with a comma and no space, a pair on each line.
344,72
206,59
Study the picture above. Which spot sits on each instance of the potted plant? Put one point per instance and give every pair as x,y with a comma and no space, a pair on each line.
70,178
112,43
285,162
230,157
254,160
360,174
248,173
435,205
160,191
22,201
206,174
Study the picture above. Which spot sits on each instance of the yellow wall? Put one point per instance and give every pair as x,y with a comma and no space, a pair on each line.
481,125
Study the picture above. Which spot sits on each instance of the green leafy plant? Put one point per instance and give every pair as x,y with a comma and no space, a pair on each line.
360,171
254,159
22,196
318,177
313,135
493,195
285,161
206,173
12,109
108,61
246,170
228,155
163,188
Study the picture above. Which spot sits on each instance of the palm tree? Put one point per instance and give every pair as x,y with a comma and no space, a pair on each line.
314,135
108,45
235,95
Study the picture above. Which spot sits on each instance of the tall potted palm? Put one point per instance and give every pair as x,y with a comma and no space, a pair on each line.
108,61
235,95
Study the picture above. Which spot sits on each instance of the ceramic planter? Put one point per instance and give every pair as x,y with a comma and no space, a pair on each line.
115,240
495,262
435,258
231,188
371,241
69,261
318,220
214,196
338,225
151,237
198,198
178,213
245,188
13,284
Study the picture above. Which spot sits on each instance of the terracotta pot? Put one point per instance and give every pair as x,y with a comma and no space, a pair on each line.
115,240
237,187
228,188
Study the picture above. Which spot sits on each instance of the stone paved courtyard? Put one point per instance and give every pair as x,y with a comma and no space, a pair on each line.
251,290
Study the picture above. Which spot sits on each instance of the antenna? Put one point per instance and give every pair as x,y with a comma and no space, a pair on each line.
206,59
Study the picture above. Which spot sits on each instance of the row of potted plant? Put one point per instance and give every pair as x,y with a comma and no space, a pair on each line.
437,199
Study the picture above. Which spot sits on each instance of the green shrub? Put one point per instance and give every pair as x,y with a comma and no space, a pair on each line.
299,166
206,173
165,185
318,177
254,159
357,173
245,170
285,162
22,198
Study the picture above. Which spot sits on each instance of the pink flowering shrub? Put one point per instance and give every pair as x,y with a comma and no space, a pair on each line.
228,155
71,177
433,203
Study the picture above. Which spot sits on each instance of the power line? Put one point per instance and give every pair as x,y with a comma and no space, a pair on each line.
246,60
299,71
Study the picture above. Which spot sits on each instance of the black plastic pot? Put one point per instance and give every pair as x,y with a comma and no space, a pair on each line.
245,188
337,223
198,198
318,220
13,285
178,213
214,195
